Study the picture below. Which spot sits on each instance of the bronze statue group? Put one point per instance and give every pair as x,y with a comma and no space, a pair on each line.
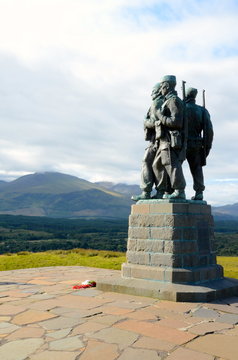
176,130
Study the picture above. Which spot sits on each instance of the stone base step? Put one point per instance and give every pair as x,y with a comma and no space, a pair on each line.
173,275
209,291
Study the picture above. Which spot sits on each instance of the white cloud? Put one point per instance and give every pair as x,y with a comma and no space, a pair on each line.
76,78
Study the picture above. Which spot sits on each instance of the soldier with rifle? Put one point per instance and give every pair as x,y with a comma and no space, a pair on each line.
171,134
200,137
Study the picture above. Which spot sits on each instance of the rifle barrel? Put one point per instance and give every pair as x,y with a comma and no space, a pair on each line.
183,89
203,98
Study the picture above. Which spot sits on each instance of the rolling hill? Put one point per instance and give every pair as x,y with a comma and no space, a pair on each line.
125,189
60,195
226,211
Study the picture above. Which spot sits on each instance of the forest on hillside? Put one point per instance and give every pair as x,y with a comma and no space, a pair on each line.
25,233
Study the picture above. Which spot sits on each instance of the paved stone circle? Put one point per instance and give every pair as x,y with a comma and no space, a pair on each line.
43,318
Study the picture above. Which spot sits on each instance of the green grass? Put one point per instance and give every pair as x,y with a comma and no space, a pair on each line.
92,258
230,265
79,257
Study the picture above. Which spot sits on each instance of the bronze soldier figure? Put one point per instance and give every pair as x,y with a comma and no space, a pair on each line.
169,132
148,178
200,137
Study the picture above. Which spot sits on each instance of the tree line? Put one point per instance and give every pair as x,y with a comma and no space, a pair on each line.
24,233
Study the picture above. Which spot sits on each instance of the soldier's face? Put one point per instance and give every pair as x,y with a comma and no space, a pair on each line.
164,89
155,92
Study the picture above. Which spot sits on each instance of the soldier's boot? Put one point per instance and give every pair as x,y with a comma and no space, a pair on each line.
158,195
177,194
166,195
198,196
143,196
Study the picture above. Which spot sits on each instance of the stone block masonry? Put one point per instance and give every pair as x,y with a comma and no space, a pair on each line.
174,237
169,254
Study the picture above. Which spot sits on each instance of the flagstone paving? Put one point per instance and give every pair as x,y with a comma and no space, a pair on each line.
43,318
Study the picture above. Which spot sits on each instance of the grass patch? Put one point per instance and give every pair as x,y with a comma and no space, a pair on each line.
77,257
91,258
230,265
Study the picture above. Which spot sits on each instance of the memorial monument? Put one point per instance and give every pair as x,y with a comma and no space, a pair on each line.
169,251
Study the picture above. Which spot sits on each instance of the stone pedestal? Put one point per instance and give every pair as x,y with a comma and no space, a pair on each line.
171,242
169,254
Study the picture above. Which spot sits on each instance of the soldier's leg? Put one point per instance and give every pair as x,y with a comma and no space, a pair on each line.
147,173
160,175
194,161
175,172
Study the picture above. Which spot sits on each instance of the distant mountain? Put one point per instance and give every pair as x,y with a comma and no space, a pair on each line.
49,182
125,189
2,183
60,195
226,212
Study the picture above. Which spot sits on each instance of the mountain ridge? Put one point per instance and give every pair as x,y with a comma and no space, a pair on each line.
60,195
56,194
54,182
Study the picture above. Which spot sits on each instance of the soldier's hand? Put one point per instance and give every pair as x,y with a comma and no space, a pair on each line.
159,114
155,147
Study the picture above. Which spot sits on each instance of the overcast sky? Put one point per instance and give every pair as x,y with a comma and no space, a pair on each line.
76,78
